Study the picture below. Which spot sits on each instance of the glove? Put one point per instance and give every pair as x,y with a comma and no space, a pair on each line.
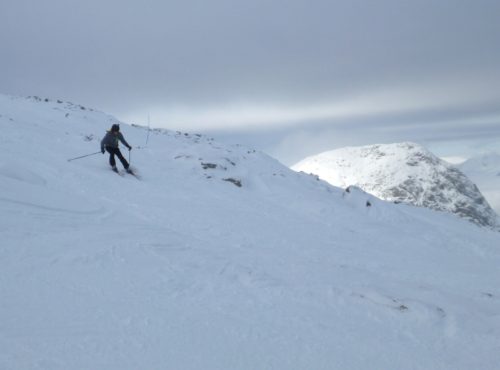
129,148
102,150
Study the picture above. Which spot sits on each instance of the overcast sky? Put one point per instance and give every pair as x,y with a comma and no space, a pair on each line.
293,77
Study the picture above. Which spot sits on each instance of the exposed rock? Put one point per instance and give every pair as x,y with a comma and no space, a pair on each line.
404,172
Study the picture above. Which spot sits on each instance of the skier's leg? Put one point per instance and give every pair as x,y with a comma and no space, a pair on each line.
111,152
122,159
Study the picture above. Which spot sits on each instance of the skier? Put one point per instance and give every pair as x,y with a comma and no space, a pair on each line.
110,142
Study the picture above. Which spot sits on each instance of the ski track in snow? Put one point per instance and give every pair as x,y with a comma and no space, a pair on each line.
185,270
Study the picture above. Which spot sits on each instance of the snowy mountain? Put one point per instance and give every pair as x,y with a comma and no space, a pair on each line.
403,172
484,170
222,258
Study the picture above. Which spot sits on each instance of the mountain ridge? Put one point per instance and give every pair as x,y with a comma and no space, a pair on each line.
484,170
187,270
404,172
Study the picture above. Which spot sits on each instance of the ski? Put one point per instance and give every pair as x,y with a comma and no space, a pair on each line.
133,173
115,170
122,173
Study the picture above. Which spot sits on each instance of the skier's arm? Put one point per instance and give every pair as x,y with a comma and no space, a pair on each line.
124,142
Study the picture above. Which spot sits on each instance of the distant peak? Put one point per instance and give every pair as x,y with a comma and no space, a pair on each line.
403,172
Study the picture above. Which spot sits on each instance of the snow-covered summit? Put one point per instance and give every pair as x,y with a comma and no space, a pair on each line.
403,172
222,258
485,163
484,170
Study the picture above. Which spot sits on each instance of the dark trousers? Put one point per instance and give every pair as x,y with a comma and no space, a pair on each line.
115,151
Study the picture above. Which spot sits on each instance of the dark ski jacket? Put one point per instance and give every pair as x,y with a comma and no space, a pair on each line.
111,140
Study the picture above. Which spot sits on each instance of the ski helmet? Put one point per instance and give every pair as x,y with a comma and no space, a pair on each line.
115,127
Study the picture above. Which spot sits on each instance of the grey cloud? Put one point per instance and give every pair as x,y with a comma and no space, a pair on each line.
130,58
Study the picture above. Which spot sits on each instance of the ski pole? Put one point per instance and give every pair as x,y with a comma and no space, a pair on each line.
149,129
83,156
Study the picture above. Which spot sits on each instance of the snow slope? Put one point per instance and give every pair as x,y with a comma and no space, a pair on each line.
484,170
404,172
186,270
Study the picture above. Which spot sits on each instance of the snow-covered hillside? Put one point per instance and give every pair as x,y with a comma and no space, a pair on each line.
403,172
222,258
484,170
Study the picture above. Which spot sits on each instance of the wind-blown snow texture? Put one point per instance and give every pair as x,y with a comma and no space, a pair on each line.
187,270
404,172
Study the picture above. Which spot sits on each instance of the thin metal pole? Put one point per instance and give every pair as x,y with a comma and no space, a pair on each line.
83,156
149,129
